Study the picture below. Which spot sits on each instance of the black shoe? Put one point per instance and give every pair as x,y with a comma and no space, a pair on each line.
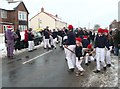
49,48
26,57
108,65
71,70
94,59
86,64
65,59
52,46
104,68
12,57
35,49
45,48
8,56
89,61
61,46
96,71
30,50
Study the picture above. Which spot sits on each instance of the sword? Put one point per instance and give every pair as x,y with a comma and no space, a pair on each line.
69,49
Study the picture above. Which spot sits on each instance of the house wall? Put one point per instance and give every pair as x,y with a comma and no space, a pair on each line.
16,21
119,11
60,24
45,21
12,17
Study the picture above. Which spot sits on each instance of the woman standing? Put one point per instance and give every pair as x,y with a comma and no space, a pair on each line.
26,39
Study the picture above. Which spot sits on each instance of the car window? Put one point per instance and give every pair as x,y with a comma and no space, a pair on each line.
39,34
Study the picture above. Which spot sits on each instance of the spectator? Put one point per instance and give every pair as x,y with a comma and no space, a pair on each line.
18,43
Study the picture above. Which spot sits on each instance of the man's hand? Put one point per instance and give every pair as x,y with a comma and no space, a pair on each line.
65,46
118,44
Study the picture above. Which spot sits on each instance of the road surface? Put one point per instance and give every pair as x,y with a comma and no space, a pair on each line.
42,68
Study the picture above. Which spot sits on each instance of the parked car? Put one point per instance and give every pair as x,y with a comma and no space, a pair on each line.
37,38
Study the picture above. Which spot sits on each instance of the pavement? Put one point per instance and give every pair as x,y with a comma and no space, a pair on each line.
43,68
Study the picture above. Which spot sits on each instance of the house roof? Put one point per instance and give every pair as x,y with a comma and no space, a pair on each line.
8,6
52,16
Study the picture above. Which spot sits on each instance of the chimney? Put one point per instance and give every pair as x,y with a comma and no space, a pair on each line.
42,9
9,1
56,15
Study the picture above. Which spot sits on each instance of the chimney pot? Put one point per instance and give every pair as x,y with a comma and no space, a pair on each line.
42,9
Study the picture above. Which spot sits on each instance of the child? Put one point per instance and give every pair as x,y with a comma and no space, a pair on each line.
85,42
107,52
88,54
78,52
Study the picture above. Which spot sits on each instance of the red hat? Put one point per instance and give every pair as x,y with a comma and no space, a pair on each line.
100,30
79,39
85,37
89,46
70,27
105,31
9,27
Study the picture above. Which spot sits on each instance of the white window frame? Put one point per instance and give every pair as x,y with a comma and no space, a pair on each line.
3,13
22,15
22,27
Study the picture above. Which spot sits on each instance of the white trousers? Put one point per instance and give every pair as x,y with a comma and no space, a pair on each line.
78,64
30,45
100,56
51,40
70,56
107,57
43,39
54,42
87,57
46,43
60,39
65,52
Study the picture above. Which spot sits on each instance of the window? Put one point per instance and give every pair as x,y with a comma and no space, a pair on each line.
3,13
22,15
22,27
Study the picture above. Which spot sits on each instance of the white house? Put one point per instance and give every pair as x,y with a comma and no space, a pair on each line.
43,19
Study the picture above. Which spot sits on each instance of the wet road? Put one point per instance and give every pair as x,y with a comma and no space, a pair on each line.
49,69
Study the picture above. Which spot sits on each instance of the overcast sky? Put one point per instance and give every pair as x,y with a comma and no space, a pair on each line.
82,13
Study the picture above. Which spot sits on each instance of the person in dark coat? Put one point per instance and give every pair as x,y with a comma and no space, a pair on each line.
30,40
60,36
26,39
100,45
107,52
17,40
85,42
54,35
70,45
79,57
116,38
47,38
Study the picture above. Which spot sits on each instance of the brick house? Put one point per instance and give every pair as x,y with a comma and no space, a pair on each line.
114,24
15,14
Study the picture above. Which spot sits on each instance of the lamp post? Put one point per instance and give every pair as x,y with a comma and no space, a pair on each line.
39,23
88,25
